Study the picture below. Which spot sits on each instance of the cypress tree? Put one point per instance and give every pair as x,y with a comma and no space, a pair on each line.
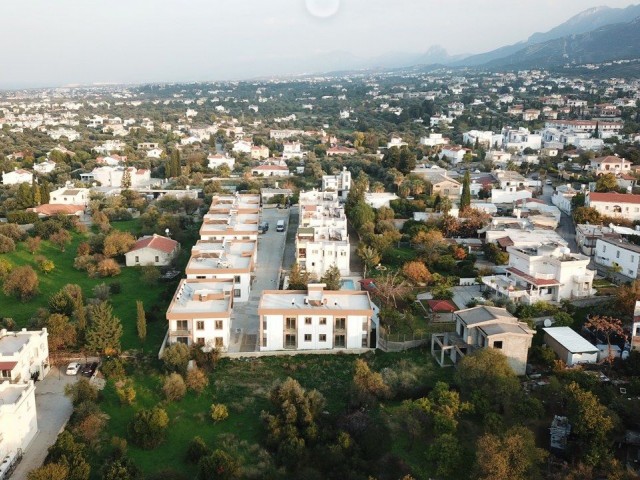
465,198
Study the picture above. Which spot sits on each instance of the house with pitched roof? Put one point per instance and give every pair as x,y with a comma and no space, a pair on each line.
152,250
612,204
484,327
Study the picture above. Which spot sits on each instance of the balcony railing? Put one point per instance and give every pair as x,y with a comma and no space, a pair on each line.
180,332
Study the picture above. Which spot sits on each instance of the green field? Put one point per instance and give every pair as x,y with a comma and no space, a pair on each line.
243,386
124,303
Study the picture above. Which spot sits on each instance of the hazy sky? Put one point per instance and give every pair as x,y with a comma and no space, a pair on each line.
55,42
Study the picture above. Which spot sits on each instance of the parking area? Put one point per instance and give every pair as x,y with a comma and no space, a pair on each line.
54,410
271,245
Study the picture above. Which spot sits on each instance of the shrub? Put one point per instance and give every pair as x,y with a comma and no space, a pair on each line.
44,264
197,449
5,268
148,427
176,358
6,244
13,231
33,244
219,412
126,392
108,268
22,218
83,249
174,387
21,283
150,274
102,292
113,369
197,380
81,392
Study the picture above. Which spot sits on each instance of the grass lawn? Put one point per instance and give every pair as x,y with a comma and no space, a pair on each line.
243,386
124,303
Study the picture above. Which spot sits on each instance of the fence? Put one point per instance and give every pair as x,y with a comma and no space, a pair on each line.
399,342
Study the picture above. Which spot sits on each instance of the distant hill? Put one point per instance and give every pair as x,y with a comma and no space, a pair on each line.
583,22
611,42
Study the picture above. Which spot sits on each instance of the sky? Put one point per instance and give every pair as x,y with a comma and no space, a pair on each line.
63,42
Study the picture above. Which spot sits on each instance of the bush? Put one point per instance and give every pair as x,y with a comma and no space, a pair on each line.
113,369
126,392
115,288
197,380
13,231
148,427
174,387
22,218
150,274
108,268
21,283
176,358
219,412
44,264
5,268
102,292
6,244
81,391
197,449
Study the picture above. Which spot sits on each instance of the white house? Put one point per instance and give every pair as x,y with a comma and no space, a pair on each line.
45,167
562,197
24,355
292,150
379,199
340,183
316,319
548,272
241,146
484,327
453,153
571,347
112,176
433,140
200,313
485,139
610,164
611,204
511,189
17,177
18,421
613,251
70,196
219,159
396,142
155,153
521,138
259,152
152,250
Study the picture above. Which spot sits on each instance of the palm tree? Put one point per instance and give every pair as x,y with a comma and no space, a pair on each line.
370,258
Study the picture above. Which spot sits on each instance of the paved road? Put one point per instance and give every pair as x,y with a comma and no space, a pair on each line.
244,319
54,411
290,247
565,229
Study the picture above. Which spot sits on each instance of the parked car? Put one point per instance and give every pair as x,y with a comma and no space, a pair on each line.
73,368
263,227
280,226
89,369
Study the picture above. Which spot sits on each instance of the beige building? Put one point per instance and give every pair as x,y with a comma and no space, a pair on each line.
484,327
316,319
152,250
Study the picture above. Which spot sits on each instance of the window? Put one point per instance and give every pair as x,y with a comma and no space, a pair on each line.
219,342
290,323
307,320
307,337
137,259
184,340
5,374
157,258
604,248
201,276
322,337
236,278
323,320
264,325
200,325
497,344
340,323
200,340
264,340
290,340
182,325
218,324
618,254
339,341
237,292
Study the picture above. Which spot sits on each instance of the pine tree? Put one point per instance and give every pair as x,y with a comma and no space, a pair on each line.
465,197
331,278
24,197
80,313
105,330
141,322
44,193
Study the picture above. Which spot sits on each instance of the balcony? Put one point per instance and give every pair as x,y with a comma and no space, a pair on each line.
180,332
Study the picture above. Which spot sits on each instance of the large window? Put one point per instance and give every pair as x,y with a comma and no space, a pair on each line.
339,341
340,323
200,325
322,337
182,325
290,341
290,323
219,342
218,324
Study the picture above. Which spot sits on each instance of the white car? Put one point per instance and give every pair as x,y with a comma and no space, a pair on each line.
73,368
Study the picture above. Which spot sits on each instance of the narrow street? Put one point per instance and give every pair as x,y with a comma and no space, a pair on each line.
566,229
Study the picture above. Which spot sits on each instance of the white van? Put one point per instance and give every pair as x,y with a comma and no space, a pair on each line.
280,226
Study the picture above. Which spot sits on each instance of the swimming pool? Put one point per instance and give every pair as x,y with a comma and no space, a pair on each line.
347,284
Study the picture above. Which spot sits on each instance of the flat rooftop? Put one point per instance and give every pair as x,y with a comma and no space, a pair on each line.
335,301
571,340
10,343
11,393
202,296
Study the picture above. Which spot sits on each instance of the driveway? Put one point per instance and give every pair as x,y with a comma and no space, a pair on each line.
271,245
54,410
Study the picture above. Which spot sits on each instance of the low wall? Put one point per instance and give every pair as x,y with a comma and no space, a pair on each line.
276,353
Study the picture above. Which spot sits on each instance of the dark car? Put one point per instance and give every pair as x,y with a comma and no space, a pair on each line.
263,227
88,369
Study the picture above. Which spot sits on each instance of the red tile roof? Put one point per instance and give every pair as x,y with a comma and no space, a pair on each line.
439,306
58,208
505,242
614,197
535,281
7,365
157,242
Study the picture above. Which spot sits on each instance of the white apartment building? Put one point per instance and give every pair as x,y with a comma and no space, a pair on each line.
232,217
112,176
233,260
615,252
605,129
512,187
485,139
453,153
317,319
322,240
200,313
70,196
45,167
519,139
24,355
18,421
548,272
562,197
433,140
611,204
340,183
241,146
282,134
292,150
